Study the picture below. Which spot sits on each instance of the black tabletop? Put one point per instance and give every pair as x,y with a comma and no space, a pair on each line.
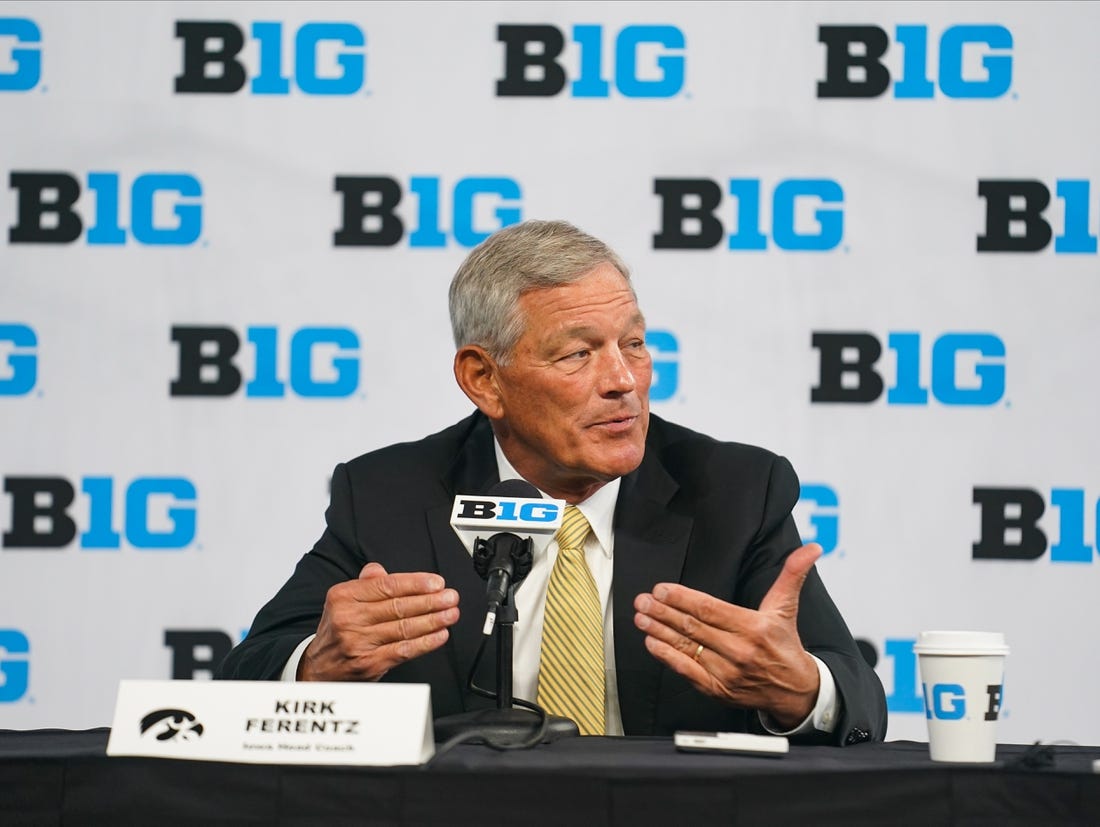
64,777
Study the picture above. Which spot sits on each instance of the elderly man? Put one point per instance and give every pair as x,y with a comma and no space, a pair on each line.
691,602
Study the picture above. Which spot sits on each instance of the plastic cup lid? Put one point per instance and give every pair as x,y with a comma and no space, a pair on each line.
961,643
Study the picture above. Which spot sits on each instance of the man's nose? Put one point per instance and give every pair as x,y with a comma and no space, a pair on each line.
616,377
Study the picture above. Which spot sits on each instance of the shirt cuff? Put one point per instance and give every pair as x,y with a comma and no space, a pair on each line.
290,671
822,717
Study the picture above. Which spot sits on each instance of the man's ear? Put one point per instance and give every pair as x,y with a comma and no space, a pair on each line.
476,373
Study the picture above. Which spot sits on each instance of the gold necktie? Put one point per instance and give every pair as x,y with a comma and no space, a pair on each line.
571,669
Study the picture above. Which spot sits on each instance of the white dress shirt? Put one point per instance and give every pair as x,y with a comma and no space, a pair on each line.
599,553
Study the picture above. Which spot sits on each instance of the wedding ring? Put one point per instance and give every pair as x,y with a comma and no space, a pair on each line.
698,652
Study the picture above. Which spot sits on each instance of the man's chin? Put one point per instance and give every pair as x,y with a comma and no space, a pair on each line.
620,462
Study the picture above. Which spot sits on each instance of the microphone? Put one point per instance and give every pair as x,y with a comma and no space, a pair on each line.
520,520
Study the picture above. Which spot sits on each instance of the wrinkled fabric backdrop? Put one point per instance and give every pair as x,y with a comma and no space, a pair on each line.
864,236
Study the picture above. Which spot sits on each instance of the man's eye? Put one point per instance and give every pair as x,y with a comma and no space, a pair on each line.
578,355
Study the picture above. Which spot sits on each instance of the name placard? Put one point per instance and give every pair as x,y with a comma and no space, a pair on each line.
273,722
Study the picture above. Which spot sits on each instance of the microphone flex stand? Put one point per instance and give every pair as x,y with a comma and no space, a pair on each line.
506,726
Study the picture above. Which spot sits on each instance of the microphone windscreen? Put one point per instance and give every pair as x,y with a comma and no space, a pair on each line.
520,489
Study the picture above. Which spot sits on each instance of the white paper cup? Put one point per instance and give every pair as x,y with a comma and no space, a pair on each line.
962,677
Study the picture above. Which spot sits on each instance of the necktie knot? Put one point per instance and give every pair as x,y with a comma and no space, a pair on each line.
574,529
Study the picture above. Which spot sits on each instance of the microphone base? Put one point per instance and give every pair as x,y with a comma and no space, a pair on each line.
503,725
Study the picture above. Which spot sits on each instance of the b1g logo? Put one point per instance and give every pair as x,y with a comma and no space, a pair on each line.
944,701
1014,220
20,54
322,362
665,351
847,369
800,221
14,665
46,214
854,67
819,506
325,58
370,218
482,512
1010,525
159,513
18,359
947,701
648,61
196,653
903,697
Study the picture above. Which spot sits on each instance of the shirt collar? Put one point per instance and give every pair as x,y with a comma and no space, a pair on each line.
598,509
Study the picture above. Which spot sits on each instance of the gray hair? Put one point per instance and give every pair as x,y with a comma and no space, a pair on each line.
534,255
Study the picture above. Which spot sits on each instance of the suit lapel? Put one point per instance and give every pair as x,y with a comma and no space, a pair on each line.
650,546
474,471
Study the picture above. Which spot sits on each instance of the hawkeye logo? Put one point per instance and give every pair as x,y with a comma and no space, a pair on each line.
171,725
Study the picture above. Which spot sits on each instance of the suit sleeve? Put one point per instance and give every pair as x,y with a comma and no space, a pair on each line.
862,711
294,612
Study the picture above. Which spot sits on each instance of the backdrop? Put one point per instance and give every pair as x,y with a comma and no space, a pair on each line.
864,236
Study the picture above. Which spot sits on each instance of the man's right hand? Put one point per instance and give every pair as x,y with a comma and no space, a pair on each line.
376,622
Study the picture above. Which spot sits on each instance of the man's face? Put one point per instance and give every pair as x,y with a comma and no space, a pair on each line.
574,398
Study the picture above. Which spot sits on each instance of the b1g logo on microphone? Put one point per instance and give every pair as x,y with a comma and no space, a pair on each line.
854,65
1015,221
158,513
20,54
646,61
479,206
320,362
1010,525
807,214
18,359
163,209
947,701
14,665
965,369
316,58
819,507
504,513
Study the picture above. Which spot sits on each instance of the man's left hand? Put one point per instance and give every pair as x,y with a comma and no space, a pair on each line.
749,658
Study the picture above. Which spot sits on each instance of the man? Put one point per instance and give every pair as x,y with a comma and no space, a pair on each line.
712,615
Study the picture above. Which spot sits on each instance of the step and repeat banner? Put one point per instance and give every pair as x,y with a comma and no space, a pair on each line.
864,235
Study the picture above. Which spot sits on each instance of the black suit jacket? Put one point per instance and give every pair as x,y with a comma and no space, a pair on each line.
714,516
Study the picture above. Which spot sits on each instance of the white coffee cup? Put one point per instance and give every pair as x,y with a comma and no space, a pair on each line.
962,677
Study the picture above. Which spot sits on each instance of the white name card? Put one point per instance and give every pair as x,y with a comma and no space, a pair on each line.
274,722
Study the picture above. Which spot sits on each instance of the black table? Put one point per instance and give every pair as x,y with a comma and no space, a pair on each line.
57,777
